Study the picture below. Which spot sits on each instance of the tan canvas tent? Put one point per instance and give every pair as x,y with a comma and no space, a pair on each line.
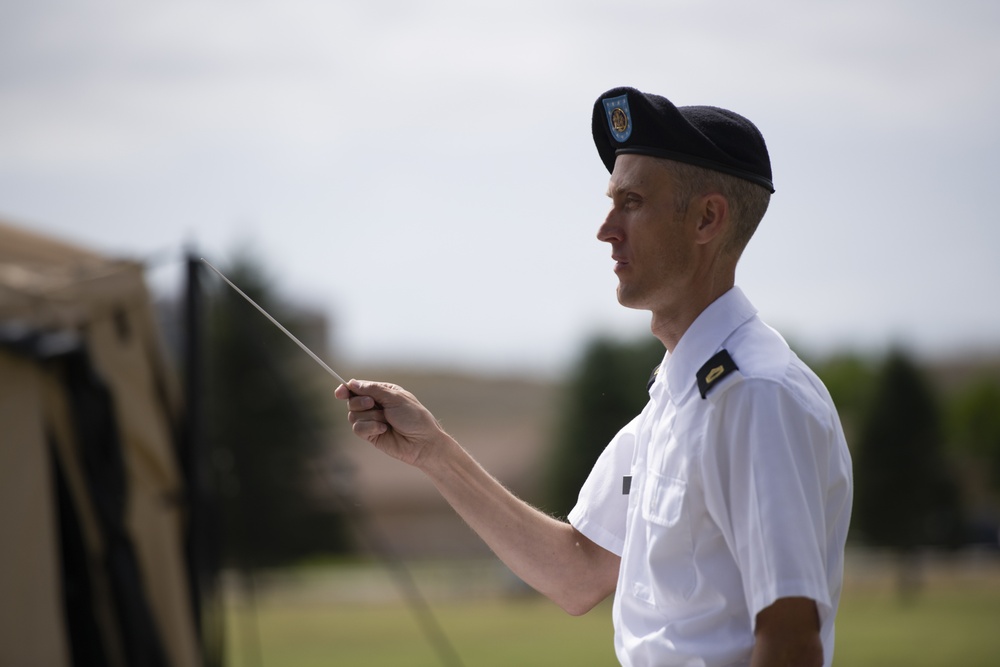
92,511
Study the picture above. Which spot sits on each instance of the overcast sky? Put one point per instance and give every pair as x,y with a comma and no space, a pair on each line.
423,172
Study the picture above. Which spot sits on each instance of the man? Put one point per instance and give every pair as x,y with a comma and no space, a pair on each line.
718,516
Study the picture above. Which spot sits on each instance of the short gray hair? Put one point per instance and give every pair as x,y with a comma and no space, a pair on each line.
747,201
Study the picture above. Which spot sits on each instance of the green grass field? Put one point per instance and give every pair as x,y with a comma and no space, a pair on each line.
310,621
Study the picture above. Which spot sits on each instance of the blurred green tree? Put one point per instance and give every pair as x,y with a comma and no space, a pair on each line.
975,422
850,379
974,425
906,496
607,389
266,429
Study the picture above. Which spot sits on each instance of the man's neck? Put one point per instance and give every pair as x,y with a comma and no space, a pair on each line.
670,324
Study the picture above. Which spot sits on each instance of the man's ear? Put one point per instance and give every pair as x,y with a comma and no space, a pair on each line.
714,217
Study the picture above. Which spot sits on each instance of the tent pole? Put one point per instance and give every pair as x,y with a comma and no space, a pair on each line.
202,546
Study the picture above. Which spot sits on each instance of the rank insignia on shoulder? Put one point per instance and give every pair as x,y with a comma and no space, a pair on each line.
714,370
652,378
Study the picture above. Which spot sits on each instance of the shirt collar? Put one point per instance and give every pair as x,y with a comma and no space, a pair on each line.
703,339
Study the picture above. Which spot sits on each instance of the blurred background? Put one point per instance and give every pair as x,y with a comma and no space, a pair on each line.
412,189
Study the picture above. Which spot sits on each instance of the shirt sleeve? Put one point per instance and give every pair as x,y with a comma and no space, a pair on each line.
602,505
763,466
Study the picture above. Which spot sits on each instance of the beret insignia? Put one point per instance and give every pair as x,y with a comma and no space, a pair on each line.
619,117
714,370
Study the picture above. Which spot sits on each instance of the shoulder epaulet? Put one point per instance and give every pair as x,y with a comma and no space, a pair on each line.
652,377
714,370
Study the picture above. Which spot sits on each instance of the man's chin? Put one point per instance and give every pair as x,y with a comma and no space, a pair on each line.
629,300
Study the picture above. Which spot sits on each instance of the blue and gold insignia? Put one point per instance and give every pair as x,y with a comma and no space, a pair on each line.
619,117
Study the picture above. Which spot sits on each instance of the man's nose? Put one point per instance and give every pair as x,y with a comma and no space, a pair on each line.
609,230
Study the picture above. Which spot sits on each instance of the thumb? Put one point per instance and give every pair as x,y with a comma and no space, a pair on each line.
382,392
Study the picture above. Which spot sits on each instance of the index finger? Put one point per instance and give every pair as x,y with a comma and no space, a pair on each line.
344,391
380,391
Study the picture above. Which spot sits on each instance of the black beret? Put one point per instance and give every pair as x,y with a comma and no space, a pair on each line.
629,121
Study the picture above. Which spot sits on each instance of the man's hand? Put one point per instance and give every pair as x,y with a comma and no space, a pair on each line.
390,418
787,635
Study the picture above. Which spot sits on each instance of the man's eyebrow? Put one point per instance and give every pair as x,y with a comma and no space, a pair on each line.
618,190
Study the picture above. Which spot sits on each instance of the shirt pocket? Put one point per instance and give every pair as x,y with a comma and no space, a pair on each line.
670,575
663,500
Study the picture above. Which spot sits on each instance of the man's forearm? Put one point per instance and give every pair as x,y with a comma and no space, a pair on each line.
548,554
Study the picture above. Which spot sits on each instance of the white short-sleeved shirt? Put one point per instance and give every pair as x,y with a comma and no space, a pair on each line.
720,505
